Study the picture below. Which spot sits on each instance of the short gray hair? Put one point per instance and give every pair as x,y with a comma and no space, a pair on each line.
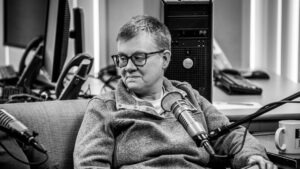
150,25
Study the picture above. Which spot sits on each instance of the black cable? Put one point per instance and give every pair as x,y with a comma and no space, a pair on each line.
106,83
23,97
243,142
249,123
24,162
111,72
87,93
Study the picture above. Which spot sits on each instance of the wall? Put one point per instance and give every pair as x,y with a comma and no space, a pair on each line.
119,12
228,29
153,8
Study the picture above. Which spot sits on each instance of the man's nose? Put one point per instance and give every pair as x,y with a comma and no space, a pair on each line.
130,65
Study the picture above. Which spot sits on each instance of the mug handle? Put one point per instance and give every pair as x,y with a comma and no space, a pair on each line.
277,135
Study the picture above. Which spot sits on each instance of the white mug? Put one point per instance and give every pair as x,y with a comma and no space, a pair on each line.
287,137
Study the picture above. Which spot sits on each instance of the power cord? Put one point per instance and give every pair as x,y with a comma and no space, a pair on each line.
108,75
223,160
24,162
249,123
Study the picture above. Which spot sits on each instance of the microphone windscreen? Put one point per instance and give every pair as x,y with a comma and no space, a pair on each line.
169,99
5,118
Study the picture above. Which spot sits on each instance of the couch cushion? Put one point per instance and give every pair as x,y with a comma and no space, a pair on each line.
57,123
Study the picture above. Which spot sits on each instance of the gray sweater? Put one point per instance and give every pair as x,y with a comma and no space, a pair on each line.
119,132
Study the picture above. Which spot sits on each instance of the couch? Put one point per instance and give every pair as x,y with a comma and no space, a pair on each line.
57,123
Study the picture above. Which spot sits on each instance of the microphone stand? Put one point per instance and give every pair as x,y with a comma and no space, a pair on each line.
226,129
218,161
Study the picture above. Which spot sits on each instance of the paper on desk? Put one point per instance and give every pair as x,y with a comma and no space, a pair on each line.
236,105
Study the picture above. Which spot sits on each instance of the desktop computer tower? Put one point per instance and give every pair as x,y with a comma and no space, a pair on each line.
190,25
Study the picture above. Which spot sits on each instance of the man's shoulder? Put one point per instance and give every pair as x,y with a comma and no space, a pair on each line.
182,85
177,83
107,96
170,83
187,87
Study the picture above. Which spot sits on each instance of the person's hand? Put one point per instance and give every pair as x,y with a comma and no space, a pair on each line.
261,162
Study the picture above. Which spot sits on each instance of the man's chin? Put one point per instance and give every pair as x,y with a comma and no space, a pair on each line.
133,86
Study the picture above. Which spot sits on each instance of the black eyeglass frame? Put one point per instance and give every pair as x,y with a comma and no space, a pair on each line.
115,58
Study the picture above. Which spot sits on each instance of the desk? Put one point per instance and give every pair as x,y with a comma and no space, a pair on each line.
283,161
274,89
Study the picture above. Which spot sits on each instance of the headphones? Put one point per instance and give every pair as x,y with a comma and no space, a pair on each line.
32,45
75,61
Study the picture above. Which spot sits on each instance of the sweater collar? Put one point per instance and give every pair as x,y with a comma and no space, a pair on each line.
125,99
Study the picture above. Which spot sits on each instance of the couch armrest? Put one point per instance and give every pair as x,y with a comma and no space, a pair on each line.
57,123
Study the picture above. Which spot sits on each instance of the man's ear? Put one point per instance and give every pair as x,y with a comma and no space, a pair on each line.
166,58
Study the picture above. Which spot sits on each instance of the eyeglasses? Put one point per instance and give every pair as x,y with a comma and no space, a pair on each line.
138,59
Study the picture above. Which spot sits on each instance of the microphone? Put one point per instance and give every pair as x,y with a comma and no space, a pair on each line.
183,111
12,126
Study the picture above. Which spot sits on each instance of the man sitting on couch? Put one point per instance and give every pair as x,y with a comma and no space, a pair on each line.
127,127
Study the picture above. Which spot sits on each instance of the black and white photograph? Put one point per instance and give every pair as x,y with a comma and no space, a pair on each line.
149,84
